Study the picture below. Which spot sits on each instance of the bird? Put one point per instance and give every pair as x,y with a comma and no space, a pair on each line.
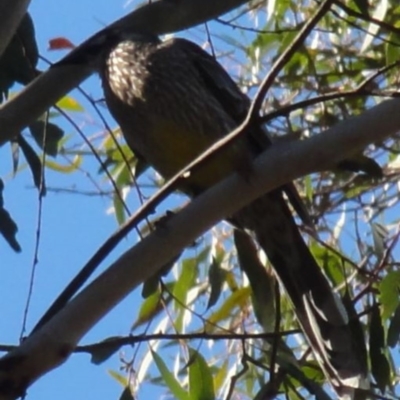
173,100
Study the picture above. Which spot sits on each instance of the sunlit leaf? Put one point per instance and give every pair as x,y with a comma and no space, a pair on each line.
69,103
184,283
237,300
389,290
72,167
200,378
172,383
221,376
150,307
332,263
119,208
121,379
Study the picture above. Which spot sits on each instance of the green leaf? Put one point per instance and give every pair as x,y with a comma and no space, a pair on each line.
119,378
331,263
238,299
150,307
172,383
394,329
8,228
185,281
379,235
68,103
66,169
19,59
200,378
392,50
380,367
216,278
389,290
220,375
35,165
311,378
119,208
261,282
48,133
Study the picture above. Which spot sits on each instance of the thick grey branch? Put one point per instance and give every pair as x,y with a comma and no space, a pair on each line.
11,13
158,17
51,345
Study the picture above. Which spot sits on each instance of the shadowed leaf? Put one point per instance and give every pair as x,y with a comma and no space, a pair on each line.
35,165
380,367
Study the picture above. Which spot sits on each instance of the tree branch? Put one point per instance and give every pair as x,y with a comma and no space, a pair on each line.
52,344
157,17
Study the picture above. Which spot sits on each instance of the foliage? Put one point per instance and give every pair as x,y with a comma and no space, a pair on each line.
348,63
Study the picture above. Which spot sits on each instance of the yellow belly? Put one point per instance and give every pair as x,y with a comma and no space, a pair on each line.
168,150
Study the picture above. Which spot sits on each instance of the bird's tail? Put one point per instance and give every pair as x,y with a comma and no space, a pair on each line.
319,310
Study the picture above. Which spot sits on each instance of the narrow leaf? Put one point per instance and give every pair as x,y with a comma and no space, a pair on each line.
48,134
380,367
389,290
172,383
150,307
238,299
75,164
394,329
35,165
119,377
200,378
68,103
8,228
261,282
379,234
216,278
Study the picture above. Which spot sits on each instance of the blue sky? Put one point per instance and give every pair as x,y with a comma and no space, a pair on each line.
72,226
